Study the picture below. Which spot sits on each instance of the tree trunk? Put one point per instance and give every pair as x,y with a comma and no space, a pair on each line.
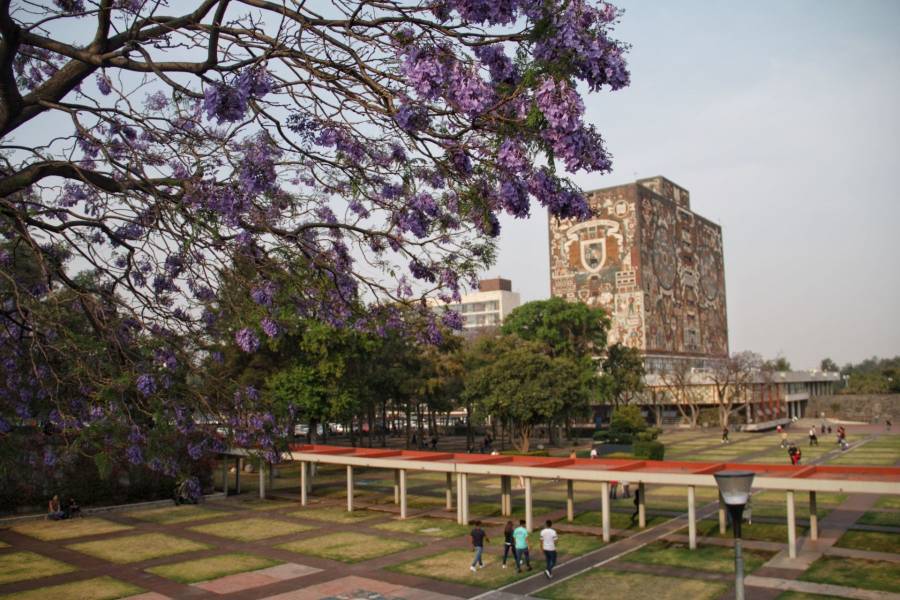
470,437
408,425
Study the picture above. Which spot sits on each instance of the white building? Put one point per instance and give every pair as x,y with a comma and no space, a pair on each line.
488,306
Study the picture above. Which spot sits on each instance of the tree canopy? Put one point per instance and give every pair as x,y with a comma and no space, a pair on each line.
565,328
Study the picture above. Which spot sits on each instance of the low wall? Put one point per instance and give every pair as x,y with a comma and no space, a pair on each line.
856,407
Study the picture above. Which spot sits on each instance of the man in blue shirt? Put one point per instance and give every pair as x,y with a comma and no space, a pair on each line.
520,535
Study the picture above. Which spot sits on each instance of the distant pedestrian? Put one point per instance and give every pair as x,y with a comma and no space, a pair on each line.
509,542
549,538
434,442
887,424
784,439
829,429
593,453
479,537
813,438
612,489
822,428
637,505
725,435
573,454
520,535
748,509
626,489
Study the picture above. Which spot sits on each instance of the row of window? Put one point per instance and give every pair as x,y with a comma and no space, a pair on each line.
475,307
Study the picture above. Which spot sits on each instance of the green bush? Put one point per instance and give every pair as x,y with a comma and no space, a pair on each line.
613,437
650,450
529,453
628,419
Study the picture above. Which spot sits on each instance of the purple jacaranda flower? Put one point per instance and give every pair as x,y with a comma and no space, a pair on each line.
134,455
146,385
5,426
247,340
70,6
269,327
156,101
452,319
49,456
195,451
104,84
412,118
264,293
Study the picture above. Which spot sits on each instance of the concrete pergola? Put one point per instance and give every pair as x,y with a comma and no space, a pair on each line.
787,478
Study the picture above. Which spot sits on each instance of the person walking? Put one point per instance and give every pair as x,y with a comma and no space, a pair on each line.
549,538
520,537
626,489
479,537
593,453
813,438
784,439
509,543
637,504
887,424
612,489
725,435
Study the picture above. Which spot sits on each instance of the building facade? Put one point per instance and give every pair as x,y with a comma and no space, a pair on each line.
655,266
488,306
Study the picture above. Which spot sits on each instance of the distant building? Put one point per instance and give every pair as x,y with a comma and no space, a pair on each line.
487,307
653,265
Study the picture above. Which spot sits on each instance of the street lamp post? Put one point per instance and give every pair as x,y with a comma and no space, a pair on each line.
735,489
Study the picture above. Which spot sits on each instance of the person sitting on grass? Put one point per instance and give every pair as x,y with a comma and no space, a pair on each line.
54,509
520,535
549,538
479,537
73,509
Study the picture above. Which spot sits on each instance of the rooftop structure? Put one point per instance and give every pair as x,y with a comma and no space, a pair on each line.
485,308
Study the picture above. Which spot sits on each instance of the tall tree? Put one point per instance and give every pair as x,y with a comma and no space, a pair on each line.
731,378
623,374
829,366
564,328
679,380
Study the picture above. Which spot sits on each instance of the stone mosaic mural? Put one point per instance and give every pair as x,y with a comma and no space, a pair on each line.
652,264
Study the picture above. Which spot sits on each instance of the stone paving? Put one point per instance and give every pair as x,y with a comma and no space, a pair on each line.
299,575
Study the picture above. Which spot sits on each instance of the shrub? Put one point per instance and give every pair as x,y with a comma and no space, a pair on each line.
650,450
613,437
628,419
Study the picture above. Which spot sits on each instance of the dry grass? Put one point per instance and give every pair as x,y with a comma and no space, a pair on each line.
427,526
19,566
252,529
453,566
206,569
348,547
73,528
334,515
135,548
619,584
99,588
175,514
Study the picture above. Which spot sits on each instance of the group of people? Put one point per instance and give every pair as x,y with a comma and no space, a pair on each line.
515,544
56,511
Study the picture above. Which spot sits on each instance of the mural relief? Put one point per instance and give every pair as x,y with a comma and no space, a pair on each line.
654,266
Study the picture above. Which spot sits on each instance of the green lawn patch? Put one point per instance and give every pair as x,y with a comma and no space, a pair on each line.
763,532
19,566
875,541
488,509
135,548
72,528
888,502
617,520
348,547
574,544
718,559
885,519
621,584
175,514
248,530
206,569
334,515
427,526
99,588
854,572
453,566
805,596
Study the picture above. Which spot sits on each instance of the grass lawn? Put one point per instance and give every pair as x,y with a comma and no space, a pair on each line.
19,566
249,530
718,559
763,532
573,544
334,514
887,519
853,572
488,509
804,596
453,565
348,547
870,540
175,514
205,569
871,459
99,588
135,548
72,528
888,502
620,584
428,526
617,520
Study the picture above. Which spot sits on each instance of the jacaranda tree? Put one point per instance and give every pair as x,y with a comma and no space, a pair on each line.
368,145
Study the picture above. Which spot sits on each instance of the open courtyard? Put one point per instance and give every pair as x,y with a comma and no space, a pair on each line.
242,547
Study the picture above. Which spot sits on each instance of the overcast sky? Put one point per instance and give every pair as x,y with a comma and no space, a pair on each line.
782,118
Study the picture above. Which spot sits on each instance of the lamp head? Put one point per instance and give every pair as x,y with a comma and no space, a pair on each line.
734,486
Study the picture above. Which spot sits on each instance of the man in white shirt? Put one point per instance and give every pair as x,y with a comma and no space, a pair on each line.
593,453
548,545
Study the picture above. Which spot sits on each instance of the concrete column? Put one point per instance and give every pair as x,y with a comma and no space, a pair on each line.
303,484
402,493
396,486
723,523
237,475
570,500
692,519
505,495
813,517
791,525
604,509
262,480
225,476
349,488
449,491
459,500
465,498
642,506
529,513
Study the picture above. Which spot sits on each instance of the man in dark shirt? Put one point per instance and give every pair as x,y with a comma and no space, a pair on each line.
479,537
